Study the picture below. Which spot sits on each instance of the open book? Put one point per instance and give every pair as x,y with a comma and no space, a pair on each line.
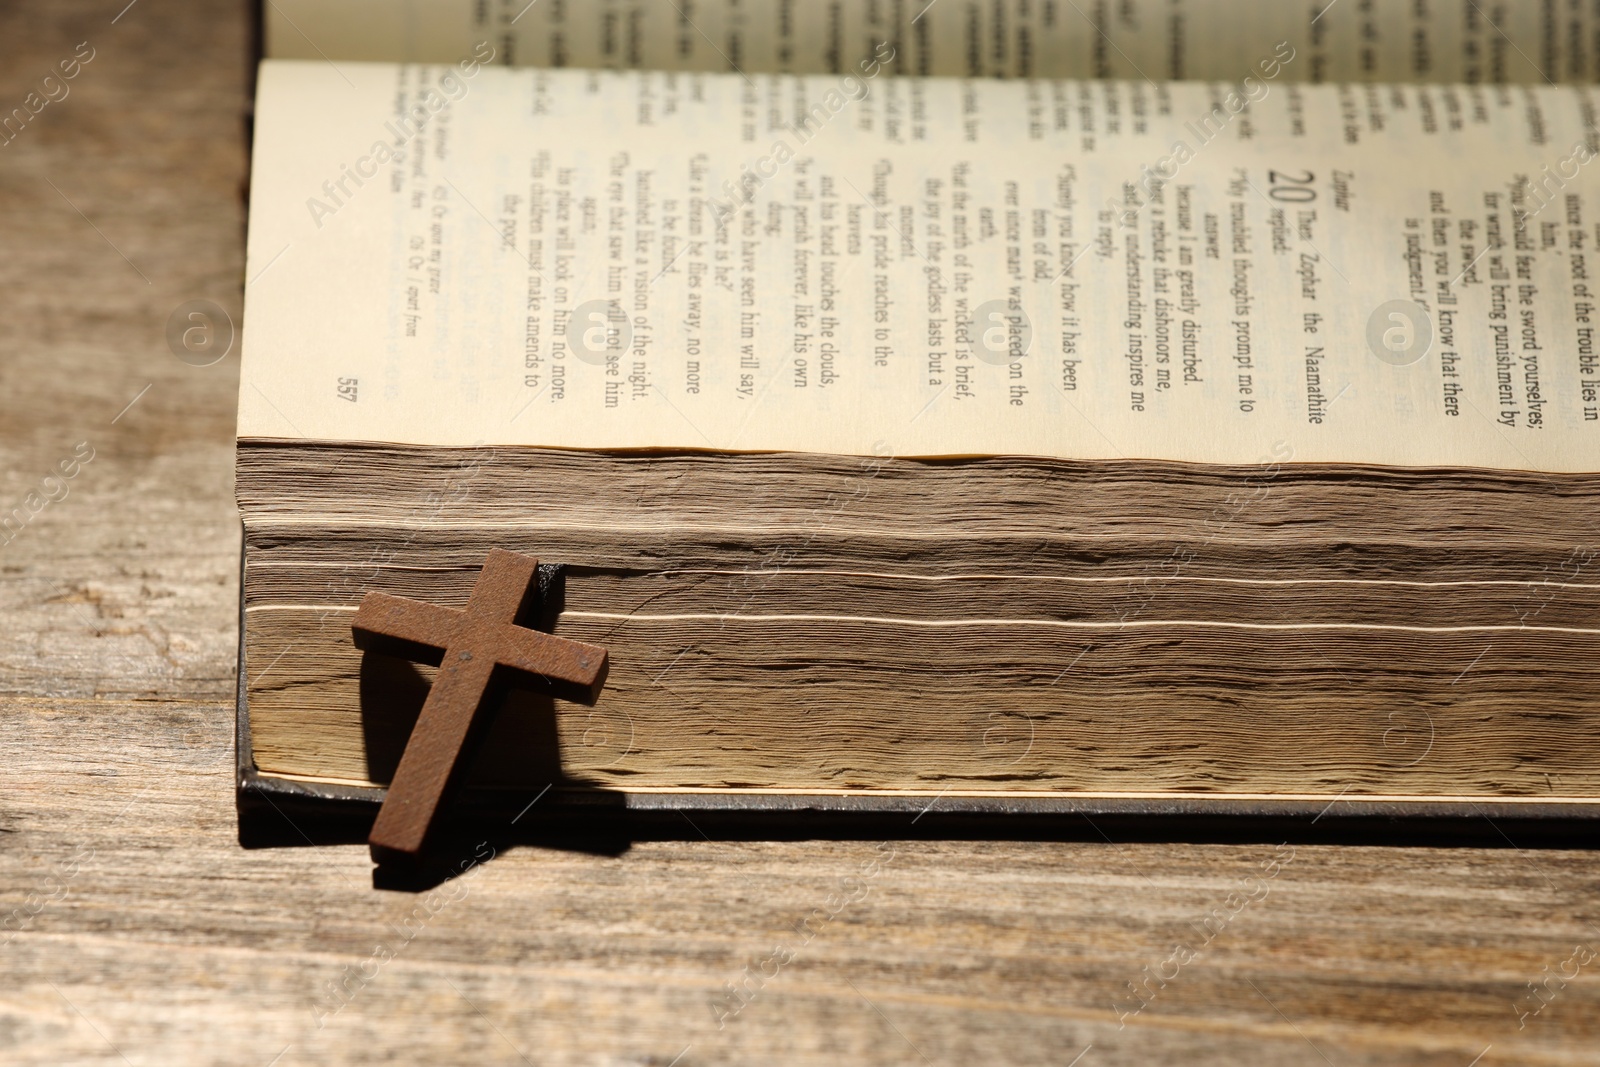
1020,444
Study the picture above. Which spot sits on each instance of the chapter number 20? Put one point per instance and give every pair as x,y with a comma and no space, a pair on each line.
1288,188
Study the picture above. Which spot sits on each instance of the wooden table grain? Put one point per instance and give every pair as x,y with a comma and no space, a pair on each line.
134,929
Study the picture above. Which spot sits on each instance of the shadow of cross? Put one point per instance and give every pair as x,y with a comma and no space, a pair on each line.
478,650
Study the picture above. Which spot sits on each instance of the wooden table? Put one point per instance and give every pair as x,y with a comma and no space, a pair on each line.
135,929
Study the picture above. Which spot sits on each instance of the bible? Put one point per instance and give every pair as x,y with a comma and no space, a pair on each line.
1192,408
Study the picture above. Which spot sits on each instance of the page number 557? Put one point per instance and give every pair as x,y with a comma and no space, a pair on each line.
347,389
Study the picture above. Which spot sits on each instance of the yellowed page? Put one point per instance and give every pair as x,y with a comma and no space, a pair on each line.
1440,41
936,267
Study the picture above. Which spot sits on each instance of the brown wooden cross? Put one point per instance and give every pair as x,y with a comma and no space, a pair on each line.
478,650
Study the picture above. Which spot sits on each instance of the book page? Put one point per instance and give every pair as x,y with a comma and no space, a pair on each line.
1440,41
929,267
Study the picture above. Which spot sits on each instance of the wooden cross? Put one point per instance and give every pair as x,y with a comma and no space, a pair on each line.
478,650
